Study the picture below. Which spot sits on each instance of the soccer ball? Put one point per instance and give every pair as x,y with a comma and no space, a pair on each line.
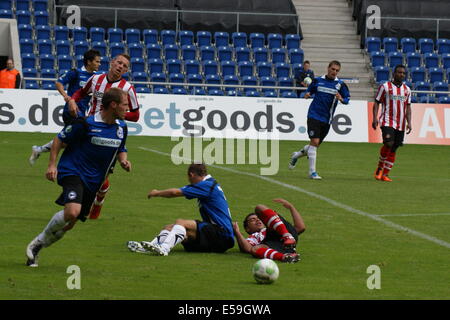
265,271
307,81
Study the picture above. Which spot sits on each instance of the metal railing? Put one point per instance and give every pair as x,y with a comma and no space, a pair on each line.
177,13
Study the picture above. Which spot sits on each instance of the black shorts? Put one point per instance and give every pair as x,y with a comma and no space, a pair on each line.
392,135
75,191
273,239
317,129
210,238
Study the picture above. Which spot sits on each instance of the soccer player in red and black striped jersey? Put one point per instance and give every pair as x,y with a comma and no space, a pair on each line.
395,117
271,236
97,85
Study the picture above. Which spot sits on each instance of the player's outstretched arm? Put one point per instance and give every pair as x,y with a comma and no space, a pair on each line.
124,163
168,193
299,224
243,244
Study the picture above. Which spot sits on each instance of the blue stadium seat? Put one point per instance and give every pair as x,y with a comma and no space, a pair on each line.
221,39
245,68
239,39
413,59
155,65
173,66
207,53
49,85
233,93
210,67
25,31
177,78
224,53
274,40
212,79
435,74
252,93
443,46
22,16
138,64
42,32
395,58
144,89
426,45
153,51
408,45
96,34
448,74
296,68
26,45
282,69
29,84
198,92
39,5
228,68
179,91
289,94
115,35
417,74
64,62
45,46
5,4
116,48
79,61
296,55
378,58
141,77
63,47
285,82
22,5
257,40
158,77
373,44
269,82
414,99
132,36
79,34
161,90
194,78
150,36
203,38
431,60
264,69
31,73
390,44
422,86
260,54
427,99
104,64
50,74
46,61
444,100
168,37
230,80
249,81
185,37
242,54
135,50
100,46
191,67
381,74
61,33
292,41
7,14
440,86
28,60
278,55
270,94
446,60
40,18
215,92
189,52
171,51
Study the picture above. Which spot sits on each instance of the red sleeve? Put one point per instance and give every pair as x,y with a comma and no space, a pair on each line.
83,92
132,115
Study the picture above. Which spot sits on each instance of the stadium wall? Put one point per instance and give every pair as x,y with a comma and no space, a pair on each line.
225,117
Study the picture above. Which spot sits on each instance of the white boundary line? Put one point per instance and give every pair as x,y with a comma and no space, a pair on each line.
414,214
323,198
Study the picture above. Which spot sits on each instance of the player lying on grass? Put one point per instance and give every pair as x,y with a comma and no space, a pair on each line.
91,146
271,236
213,234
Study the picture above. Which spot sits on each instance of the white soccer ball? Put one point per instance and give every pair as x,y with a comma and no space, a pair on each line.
307,81
265,271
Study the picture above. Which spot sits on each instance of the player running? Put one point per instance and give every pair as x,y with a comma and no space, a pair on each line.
271,236
92,145
213,234
74,79
395,97
328,91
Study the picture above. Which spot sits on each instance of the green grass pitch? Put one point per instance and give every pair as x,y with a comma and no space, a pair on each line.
341,241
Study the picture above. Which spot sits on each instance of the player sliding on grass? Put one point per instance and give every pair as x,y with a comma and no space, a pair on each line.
328,91
271,236
395,97
213,234
91,147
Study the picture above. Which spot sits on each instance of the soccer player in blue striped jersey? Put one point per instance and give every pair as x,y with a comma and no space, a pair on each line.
91,147
213,234
328,91
74,79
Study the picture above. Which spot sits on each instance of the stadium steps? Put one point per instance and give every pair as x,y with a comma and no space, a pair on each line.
329,33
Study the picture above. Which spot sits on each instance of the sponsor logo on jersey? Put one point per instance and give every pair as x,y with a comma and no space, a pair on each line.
96,130
326,90
82,83
106,142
